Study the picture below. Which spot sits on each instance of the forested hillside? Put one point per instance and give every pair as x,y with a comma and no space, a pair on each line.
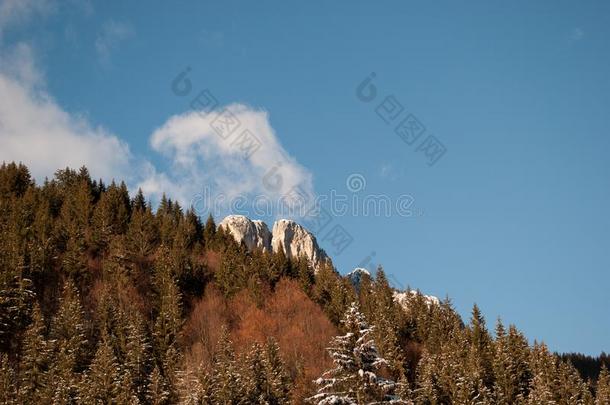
104,300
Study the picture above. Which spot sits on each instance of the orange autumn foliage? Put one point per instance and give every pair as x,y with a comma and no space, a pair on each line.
298,324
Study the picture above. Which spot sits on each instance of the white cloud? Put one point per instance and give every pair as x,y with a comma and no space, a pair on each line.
110,37
201,157
35,130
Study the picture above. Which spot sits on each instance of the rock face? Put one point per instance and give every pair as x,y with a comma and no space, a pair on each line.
295,240
254,234
355,276
263,236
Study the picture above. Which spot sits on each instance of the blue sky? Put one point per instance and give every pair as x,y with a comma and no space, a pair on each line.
514,216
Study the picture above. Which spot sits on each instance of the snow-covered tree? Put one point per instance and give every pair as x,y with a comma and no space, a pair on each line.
227,385
68,334
354,378
602,395
193,386
101,384
157,392
278,383
8,386
265,379
255,380
34,364
510,365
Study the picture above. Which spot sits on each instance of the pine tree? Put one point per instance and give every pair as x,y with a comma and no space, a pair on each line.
68,332
142,233
68,328
8,382
385,313
354,379
510,365
427,381
404,394
166,334
15,179
481,347
571,388
34,365
137,356
602,392
139,201
542,385
169,319
126,394
193,386
72,230
226,384
16,299
230,277
102,382
209,232
111,215
255,382
278,382
157,392
42,246
167,221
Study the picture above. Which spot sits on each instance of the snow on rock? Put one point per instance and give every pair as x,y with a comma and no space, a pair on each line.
355,276
254,234
403,298
296,242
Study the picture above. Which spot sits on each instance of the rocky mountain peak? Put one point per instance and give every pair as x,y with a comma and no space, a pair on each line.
296,241
254,234
291,237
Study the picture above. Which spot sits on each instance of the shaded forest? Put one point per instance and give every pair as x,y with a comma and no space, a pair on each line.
104,300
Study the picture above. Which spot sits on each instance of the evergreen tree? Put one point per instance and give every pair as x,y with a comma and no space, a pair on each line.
542,385
8,382
42,245
385,314
139,201
255,382
209,232
510,365
102,382
142,234
168,323
602,391
68,328
226,385
68,332
111,215
137,357
481,347
354,379
157,392
194,386
36,353
15,179
278,383
16,299
230,277
126,394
